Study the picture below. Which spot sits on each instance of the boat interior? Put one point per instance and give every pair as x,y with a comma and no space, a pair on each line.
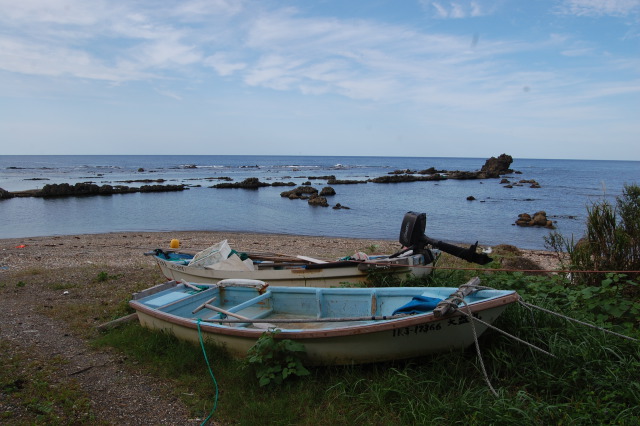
212,302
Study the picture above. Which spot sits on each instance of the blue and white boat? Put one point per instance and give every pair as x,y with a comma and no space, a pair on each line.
337,326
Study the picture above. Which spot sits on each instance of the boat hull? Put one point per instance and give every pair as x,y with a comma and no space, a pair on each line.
358,342
295,277
402,342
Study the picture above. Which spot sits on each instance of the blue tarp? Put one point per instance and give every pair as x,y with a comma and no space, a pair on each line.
418,305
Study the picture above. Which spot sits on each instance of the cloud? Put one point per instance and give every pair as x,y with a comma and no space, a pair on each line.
223,63
457,9
618,8
254,45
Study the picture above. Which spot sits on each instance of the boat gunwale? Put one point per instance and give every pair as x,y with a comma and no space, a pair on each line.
378,326
306,277
347,265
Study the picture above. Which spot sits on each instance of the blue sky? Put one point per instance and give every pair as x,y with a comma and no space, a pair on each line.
432,78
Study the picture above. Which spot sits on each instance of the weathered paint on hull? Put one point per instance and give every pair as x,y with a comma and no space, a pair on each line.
409,339
328,277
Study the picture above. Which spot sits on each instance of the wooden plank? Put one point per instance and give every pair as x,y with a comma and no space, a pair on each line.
311,259
117,322
224,311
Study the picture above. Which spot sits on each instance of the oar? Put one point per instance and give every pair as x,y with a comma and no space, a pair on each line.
208,305
191,286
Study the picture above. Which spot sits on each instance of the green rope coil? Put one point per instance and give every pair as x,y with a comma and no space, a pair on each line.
204,352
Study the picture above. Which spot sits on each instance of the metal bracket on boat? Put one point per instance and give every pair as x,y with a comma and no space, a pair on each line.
450,304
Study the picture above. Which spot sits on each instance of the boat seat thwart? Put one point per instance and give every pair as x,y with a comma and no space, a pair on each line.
208,305
246,307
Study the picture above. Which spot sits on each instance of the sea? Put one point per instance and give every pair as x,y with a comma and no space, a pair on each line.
375,210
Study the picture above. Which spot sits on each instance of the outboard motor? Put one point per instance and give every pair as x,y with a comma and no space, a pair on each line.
412,237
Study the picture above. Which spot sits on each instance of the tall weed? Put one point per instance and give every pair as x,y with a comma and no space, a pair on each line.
611,241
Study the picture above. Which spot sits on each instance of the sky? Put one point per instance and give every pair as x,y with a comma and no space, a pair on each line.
427,78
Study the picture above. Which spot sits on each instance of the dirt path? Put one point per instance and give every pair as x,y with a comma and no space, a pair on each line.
118,395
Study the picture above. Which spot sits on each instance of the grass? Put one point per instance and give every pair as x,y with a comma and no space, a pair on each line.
30,393
592,379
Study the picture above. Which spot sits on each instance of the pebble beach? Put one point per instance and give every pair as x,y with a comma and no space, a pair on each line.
127,248
56,290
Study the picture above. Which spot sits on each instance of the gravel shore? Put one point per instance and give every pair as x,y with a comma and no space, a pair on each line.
126,248
44,281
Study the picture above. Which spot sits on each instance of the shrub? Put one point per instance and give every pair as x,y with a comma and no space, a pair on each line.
611,241
275,360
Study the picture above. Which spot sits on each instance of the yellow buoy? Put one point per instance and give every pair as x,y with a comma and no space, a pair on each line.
174,243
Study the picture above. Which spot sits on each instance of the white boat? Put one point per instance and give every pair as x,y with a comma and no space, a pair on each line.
335,325
219,262
301,271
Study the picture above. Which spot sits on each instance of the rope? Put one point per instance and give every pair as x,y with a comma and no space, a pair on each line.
528,305
475,339
204,352
457,268
505,333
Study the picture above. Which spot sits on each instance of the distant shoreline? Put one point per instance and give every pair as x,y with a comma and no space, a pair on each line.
458,210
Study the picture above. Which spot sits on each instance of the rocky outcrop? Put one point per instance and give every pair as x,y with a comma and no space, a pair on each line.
344,181
339,206
310,194
494,167
142,181
531,182
225,178
301,192
327,190
4,195
539,219
283,184
431,171
158,188
403,172
316,200
329,177
87,188
248,183
465,175
406,178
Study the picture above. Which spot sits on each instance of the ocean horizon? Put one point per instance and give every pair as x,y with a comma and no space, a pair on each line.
375,210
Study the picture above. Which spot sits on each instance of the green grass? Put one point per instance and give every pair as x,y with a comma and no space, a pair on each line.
591,380
30,393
